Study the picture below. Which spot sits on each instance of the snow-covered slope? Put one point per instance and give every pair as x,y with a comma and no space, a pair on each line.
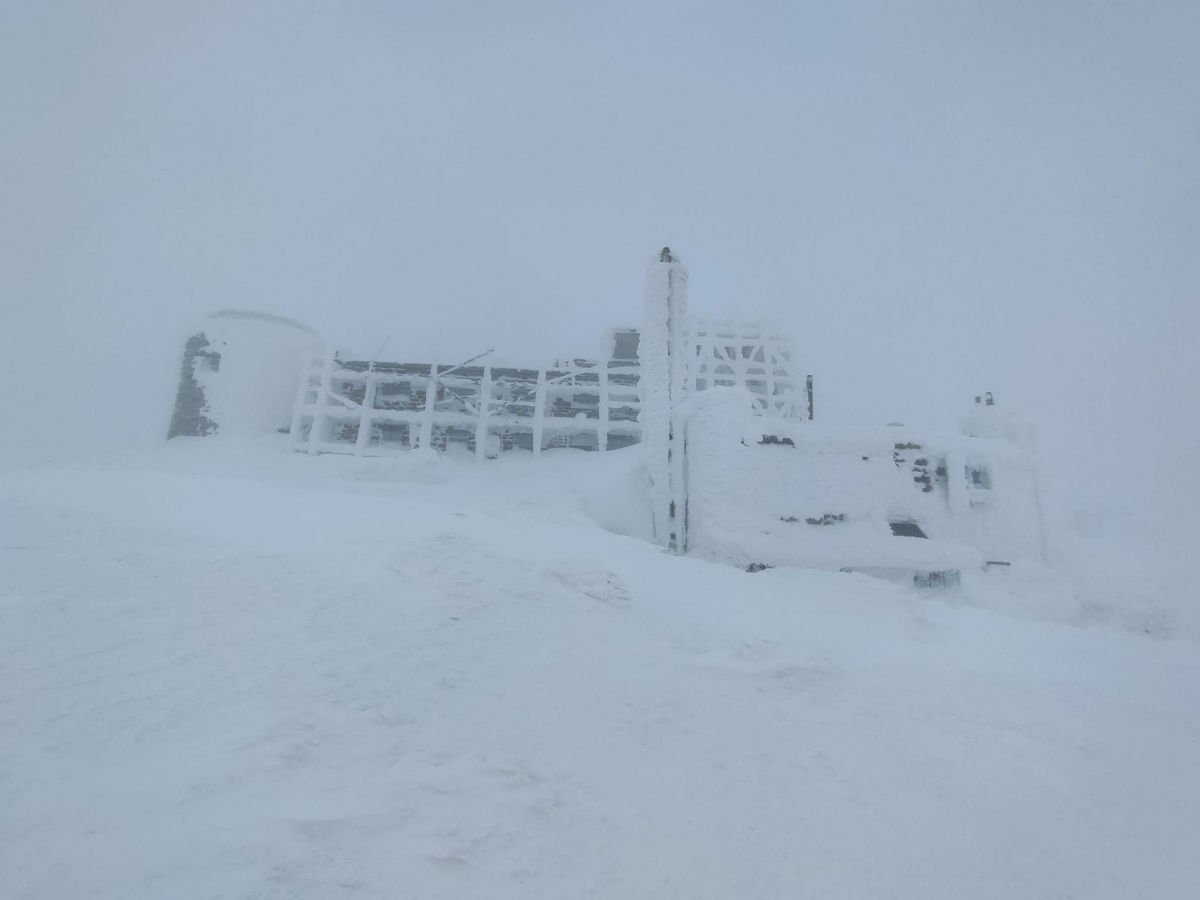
227,671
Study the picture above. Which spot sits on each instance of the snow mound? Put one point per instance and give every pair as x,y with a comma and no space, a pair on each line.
257,674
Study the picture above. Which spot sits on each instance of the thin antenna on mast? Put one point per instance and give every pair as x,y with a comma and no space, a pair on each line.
379,352
467,362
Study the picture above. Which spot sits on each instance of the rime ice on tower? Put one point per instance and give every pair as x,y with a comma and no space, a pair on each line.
663,351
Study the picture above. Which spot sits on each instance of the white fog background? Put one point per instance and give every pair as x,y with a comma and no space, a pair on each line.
937,198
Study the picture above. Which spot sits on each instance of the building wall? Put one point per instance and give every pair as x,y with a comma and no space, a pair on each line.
238,375
764,490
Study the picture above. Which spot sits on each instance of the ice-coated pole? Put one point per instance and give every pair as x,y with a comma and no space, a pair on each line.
663,357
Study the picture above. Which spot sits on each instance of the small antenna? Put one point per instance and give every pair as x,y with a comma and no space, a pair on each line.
381,347
375,356
465,362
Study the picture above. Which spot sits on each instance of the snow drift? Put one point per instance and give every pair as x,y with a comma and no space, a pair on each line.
232,671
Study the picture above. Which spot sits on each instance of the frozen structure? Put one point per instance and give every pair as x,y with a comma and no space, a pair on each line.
665,371
749,355
238,376
738,471
734,467
891,502
683,357
373,408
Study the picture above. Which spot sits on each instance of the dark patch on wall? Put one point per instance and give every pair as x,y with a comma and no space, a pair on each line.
907,529
190,417
948,578
827,519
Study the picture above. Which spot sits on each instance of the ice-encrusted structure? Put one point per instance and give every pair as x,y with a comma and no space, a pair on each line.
375,408
238,376
190,415
665,369
750,355
892,502
372,408
731,465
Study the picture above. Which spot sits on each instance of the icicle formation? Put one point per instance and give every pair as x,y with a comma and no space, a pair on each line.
663,353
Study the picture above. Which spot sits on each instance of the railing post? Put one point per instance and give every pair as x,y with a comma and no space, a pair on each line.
602,413
539,412
320,422
301,402
367,416
426,436
485,403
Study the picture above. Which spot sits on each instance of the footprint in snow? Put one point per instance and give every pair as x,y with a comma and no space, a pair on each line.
770,674
598,584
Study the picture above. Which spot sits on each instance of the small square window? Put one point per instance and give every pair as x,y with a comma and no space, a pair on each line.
979,478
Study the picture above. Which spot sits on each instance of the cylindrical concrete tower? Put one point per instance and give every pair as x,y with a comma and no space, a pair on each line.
240,373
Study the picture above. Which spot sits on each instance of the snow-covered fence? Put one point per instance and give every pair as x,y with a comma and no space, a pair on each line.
367,408
749,355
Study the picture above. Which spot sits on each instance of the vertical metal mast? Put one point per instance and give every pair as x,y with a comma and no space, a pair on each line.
664,360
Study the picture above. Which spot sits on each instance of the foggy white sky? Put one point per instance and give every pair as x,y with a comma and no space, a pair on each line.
938,198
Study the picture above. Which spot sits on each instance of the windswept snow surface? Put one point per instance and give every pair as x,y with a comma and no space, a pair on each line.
227,671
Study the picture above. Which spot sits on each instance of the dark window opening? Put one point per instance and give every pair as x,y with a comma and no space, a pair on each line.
625,345
979,478
907,529
949,578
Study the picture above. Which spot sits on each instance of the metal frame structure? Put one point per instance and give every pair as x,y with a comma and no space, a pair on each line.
371,408
368,408
750,355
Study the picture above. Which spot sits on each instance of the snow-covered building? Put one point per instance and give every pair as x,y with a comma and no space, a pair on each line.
238,375
892,502
737,471
733,466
